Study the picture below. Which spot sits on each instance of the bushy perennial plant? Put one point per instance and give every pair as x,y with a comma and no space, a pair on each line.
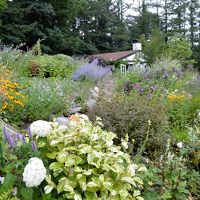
84,163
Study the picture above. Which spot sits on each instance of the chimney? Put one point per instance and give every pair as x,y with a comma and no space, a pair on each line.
137,46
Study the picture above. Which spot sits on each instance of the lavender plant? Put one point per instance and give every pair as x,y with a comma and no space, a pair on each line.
94,70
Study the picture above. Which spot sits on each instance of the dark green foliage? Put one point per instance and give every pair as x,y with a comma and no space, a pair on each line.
153,49
175,48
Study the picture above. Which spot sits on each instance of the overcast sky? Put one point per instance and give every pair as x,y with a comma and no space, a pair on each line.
133,3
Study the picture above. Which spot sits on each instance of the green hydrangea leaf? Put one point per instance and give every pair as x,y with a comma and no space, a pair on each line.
64,185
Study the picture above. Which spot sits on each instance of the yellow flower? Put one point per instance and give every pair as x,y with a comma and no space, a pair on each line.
18,102
4,106
175,97
11,107
10,97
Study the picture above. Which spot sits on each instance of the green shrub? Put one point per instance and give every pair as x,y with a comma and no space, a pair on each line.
50,97
52,66
176,48
131,115
85,164
179,48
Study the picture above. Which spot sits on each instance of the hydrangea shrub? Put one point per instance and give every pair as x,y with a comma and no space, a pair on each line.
85,164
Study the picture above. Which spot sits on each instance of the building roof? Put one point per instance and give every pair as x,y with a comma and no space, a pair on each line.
114,56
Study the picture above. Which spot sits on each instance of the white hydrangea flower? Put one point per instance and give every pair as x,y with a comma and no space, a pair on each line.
40,128
34,172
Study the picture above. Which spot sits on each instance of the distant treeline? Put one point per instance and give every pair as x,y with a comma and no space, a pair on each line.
91,26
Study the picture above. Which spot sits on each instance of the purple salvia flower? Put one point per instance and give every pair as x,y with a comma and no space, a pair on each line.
30,134
11,141
95,69
5,132
23,138
19,136
34,146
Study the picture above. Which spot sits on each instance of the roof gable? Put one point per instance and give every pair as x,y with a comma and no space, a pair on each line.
114,56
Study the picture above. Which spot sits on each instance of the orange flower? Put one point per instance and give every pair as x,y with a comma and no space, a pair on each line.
73,118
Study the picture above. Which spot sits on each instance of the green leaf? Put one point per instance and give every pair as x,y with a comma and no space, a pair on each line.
48,189
73,160
123,194
27,193
47,197
108,185
92,187
77,197
62,157
64,185
139,180
52,155
136,193
166,195
56,166
101,178
8,182
84,148
150,195
82,182
91,196
128,180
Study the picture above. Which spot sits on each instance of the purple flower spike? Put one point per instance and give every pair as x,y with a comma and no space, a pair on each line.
30,134
5,132
19,136
11,141
34,147
23,138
